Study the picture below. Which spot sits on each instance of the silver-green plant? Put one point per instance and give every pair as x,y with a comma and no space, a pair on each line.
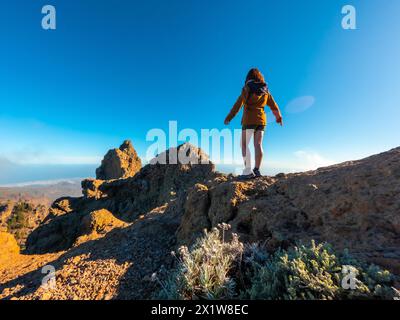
313,272
218,269
205,271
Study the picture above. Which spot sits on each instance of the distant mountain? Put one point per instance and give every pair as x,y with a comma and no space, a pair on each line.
23,207
42,192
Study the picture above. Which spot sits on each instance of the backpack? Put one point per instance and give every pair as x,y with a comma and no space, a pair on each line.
257,88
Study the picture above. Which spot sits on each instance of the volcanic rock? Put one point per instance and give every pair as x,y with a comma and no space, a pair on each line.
119,163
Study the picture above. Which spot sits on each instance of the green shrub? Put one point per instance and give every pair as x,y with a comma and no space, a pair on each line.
215,269
23,206
18,220
19,216
314,272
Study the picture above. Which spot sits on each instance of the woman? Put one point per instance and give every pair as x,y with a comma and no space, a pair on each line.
255,96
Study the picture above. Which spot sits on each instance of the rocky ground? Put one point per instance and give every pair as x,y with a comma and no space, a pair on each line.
117,265
108,243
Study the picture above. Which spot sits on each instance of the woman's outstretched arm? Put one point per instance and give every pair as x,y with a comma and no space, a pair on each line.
275,109
236,107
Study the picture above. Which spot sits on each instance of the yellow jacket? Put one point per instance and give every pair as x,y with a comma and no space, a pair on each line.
254,113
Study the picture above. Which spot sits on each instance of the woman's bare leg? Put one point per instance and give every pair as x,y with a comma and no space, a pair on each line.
258,148
246,136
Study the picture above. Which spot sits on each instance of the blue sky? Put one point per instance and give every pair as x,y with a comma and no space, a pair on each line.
113,70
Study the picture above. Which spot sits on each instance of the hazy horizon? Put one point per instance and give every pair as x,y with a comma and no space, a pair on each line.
33,174
27,175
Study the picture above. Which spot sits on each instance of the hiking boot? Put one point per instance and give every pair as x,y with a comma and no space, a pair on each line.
257,172
247,174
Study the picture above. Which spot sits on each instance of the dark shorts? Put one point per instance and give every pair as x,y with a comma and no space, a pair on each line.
254,127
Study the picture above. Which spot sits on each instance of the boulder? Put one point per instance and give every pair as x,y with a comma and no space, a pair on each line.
100,221
8,245
62,206
96,224
90,188
194,219
184,154
64,231
119,163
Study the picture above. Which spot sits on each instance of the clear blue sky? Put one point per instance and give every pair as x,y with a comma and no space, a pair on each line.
115,69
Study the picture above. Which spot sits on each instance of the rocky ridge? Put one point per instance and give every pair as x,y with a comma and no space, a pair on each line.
109,242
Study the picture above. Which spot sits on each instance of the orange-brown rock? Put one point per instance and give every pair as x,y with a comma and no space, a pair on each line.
119,163
8,246
154,186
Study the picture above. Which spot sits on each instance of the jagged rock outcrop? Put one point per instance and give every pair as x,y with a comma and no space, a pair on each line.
156,185
119,163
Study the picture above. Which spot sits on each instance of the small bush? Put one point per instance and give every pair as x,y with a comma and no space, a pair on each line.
314,272
215,269
19,217
205,271
23,206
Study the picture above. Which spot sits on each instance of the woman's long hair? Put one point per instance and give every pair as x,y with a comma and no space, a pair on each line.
255,75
